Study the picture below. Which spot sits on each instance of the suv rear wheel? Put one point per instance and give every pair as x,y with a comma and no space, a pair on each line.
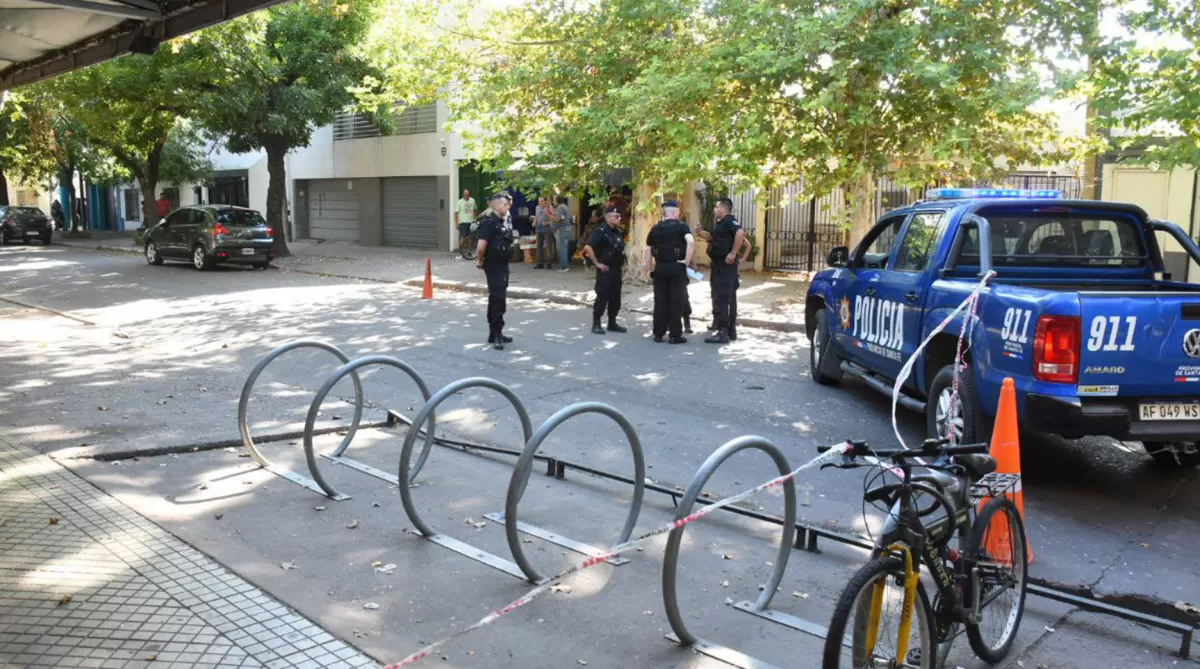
1174,454
200,259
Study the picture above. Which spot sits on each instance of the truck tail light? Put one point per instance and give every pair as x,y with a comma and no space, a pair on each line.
1056,349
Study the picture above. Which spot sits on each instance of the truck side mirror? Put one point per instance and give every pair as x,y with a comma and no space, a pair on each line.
838,257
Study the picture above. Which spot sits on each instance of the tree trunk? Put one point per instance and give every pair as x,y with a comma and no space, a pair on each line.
72,214
276,186
862,207
640,222
149,184
3,188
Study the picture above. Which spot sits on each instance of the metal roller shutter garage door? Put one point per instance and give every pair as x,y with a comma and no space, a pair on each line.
410,212
332,212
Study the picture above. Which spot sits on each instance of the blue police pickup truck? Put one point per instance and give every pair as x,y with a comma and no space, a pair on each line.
1080,313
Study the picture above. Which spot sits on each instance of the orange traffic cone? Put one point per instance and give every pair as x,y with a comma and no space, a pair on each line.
427,293
1006,449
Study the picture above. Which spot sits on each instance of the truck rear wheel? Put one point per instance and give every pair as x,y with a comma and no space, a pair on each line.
824,364
1174,454
939,408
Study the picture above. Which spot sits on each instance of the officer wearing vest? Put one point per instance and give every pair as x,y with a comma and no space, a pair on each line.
606,249
670,243
496,238
723,244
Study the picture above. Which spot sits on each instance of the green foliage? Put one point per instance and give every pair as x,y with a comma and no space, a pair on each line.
1146,85
753,92
184,160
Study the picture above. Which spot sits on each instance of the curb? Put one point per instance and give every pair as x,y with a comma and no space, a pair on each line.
180,449
99,247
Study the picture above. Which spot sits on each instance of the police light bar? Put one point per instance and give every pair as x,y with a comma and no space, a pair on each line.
968,193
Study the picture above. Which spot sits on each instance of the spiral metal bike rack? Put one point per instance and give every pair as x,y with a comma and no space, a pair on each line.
351,368
244,406
682,635
516,488
405,477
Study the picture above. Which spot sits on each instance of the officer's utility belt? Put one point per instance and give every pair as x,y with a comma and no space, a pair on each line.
667,253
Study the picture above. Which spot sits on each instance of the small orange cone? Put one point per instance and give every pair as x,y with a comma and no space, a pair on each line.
427,293
1006,449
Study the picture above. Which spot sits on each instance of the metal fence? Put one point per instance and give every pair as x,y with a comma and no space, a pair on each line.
801,231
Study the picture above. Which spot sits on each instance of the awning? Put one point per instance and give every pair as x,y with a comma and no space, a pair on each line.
43,38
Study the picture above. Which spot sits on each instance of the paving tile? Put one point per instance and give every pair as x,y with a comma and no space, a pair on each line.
106,588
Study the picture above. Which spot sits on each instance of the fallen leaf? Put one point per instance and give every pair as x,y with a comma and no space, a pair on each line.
218,516
66,599
101,408
726,556
561,587
801,595
53,520
287,566
230,449
527,540
377,563
1049,629
336,417
728,602
353,524
247,482
161,402
469,520
243,455
581,662
724,584
319,508
152,658
386,569
360,635
371,606
480,525
1145,545
376,505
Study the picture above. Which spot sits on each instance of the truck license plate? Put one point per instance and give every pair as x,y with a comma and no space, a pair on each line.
1170,411
247,252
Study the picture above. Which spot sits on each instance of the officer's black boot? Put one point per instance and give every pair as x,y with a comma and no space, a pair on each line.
613,326
732,333
677,340
719,337
497,341
596,329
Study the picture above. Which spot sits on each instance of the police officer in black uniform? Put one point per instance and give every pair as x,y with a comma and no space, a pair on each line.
496,239
606,249
723,245
670,243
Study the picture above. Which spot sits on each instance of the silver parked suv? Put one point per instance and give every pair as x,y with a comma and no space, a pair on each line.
210,234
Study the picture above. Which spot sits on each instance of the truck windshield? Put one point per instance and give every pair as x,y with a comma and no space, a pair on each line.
1060,240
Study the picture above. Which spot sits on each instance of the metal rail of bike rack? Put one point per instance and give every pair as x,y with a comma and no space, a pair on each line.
410,439
351,369
807,538
682,635
244,406
518,483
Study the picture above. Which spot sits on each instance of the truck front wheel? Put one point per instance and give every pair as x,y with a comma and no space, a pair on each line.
1174,455
945,412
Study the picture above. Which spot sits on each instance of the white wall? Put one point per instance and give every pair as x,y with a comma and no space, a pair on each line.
257,181
392,156
1166,196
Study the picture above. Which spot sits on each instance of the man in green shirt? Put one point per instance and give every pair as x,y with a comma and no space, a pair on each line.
464,216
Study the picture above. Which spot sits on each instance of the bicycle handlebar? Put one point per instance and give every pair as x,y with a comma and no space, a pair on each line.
929,448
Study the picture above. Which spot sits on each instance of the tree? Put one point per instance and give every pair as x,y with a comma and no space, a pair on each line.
269,79
20,156
1146,84
130,107
758,92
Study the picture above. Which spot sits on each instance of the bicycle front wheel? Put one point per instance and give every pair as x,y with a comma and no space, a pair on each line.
999,550
467,250
865,630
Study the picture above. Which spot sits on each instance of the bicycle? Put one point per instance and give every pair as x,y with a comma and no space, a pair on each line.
985,575
467,244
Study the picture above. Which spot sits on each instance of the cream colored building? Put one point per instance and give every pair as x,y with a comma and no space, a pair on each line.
1166,195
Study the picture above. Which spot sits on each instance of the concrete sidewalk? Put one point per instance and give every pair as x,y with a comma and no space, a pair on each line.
85,581
764,300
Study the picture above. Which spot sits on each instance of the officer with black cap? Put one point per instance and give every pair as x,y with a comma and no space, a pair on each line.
670,243
723,244
606,249
496,239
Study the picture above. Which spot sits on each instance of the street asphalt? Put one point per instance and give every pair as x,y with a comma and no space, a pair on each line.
105,358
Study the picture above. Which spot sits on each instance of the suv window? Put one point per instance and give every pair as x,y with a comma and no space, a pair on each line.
243,217
877,246
917,246
1038,240
178,217
196,217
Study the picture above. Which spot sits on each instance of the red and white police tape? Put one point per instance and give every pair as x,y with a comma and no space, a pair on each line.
824,458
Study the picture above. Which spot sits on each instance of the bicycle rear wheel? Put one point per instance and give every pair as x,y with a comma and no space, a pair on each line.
999,549
850,643
467,248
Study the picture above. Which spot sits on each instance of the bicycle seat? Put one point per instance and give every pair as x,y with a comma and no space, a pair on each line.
978,466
